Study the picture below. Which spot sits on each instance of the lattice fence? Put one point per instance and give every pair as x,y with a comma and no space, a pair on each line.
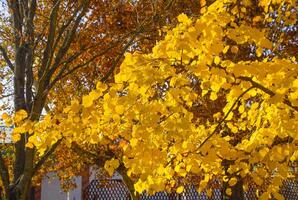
106,189
112,189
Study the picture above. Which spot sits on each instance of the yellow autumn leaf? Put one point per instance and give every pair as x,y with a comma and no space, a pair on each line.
265,196
278,196
101,86
183,18
232,181
257,180
257,19
111,165
241,108
229,191
225,50
234,49
217,60
180,189
7,119
259,52
213,96
295,83
133,142
119,109
30,145
87,101
16,137
20,115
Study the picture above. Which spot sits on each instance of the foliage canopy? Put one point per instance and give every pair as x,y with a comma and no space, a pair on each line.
211,101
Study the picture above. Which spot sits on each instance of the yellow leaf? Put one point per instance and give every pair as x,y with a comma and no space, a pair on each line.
264,196
75,106
295,83
241,109
230,116
263,152
119,109
101,86
7,119
29,145
111,165
278,196
20,115
133,142
213,96
228,191
16,137
232,181
234,49
217,115
182,18
5,116
257,19
180,189
94,94
225,50
243,9
217,60
257,180
259,51
87,101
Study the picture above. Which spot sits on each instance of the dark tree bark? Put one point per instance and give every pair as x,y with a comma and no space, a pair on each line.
22,17
237,190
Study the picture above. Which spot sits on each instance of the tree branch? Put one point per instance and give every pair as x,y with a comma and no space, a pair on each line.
64,27
98,160
48,52
44,158
17,18
68,39
225,117
266,90
121,54
6,58
4,174
61,73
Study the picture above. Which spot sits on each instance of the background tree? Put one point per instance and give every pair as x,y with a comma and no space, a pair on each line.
78,44
214,100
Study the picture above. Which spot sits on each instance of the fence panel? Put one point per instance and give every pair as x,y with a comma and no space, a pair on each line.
112,189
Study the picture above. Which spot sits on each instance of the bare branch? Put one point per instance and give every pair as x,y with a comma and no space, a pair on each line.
61,73
64,27
121,54
6,58
68,39
48,52
96,158
6,95
17,18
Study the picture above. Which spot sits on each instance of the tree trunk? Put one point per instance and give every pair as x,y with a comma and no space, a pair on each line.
237,190
129,183
22,18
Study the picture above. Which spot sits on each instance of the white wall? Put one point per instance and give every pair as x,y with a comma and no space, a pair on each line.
50,189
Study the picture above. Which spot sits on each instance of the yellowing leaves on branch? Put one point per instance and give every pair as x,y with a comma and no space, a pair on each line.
211,102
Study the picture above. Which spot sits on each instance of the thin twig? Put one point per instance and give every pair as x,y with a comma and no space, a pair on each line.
225,117
6,58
